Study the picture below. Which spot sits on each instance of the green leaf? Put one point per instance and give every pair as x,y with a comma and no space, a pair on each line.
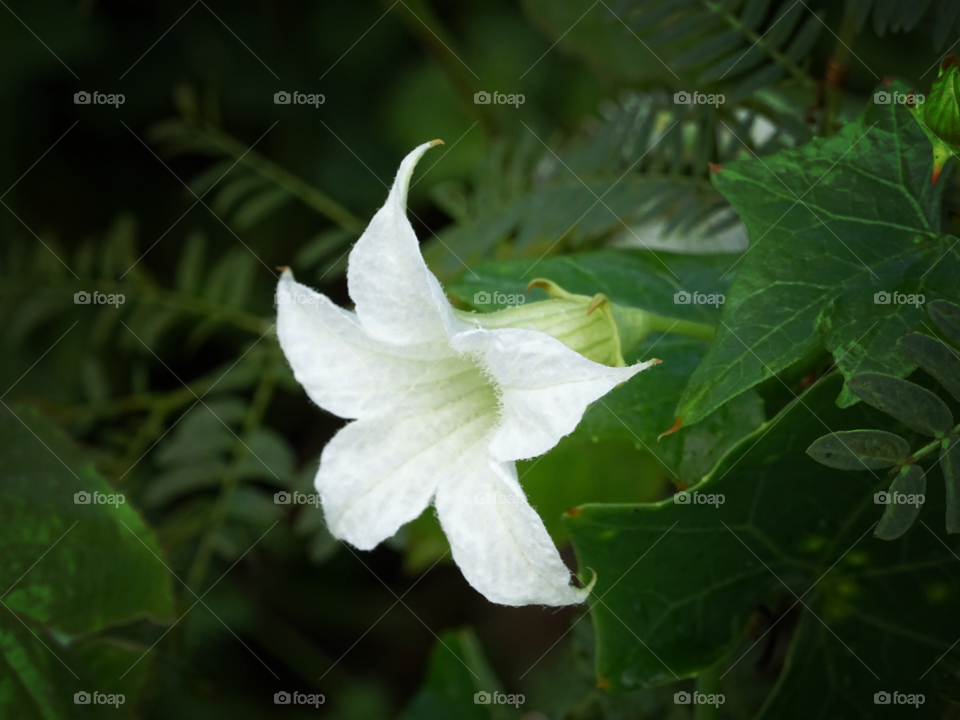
946,315
456,672
686,578
936,357
867,221
70,571
905,498
914,406
860,450
950,462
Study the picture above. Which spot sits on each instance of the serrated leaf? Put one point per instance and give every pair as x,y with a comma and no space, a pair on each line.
686,578
946,316
816,266
906,496
936,357
914,406
860,450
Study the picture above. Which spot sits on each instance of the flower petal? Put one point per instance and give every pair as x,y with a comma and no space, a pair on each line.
343,369
545,387
398,299
498,540
377,474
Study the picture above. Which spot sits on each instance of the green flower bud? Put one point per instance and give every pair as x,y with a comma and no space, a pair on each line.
939,116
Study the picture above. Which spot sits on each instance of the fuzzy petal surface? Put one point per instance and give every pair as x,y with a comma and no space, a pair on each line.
545,387
378,474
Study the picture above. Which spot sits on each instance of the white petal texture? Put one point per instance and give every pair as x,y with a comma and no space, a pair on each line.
441,410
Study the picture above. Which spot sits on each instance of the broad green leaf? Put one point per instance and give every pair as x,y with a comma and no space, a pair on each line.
903,502
642,409
950,462
686,578
70,571
843,230
457,671
947,317
914,406
860,450
936,357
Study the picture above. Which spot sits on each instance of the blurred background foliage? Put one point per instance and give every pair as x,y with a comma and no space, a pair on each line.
188,196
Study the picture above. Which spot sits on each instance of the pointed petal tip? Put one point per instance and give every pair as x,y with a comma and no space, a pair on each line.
715,168
438,141
573,512
676,426
935,175
656,361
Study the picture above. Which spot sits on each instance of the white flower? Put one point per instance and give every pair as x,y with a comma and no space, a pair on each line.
441,409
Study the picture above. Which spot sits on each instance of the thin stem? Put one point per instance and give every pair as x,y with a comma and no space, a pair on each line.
689,328
708,683
316,199
429,30
251,422
835,74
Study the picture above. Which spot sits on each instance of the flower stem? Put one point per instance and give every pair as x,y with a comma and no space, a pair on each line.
635,325
708,683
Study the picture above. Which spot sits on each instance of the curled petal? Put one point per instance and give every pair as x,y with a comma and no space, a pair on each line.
545,387
398,299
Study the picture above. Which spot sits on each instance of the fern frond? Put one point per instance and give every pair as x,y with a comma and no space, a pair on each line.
737,49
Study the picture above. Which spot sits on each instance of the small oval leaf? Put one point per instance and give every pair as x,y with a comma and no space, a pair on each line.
914,406
903,502
947,317
936,357
950,462
860,450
